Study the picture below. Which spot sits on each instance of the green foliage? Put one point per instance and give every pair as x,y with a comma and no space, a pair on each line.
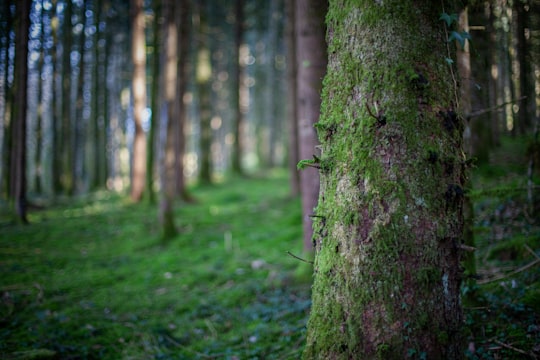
460,36
449,19
503,319
93,279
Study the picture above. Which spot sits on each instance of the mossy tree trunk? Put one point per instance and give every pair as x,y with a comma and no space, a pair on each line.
389,224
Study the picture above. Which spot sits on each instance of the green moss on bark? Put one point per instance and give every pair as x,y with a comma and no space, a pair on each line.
386,269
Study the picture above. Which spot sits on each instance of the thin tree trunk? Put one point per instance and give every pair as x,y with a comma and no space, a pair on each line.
168,177
38,174
56,165
292,99
18,152
7,100
66,140
138,171
79,177
311,67
154,103
238,118
203,79
184,27
465,96
524,76
389,224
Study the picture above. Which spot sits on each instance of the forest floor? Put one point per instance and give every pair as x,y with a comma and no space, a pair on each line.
92,280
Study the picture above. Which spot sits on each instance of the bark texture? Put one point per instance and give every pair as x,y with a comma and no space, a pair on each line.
389,224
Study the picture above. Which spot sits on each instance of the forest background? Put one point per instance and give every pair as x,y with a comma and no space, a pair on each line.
101,114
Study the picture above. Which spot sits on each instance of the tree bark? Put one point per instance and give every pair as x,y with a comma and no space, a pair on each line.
389,225
138,174
311,67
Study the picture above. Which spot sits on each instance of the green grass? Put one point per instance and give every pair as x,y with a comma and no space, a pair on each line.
91,279
94,280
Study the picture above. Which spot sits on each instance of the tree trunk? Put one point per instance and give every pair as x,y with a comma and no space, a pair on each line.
138,171
66,140
79,177
5,108
203,79
168,178
388,227
311,67
524,75
18,151
465,99
154,103
292,99
184,26
238,116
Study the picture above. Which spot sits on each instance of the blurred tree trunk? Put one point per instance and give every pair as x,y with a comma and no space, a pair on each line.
463,56
184,27
104,140
38,152
290,39
311,67
238,116
270,97
389,222
94,128
5,108
79,178
18,128
154,103
56,137
496,117
168,177
66,141
203,83
138,48
524,76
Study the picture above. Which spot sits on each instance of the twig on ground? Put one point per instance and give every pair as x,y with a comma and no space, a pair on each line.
515,349
523,268
299,258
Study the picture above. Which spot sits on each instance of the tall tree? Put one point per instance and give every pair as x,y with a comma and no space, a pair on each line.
311,67
292,98
389,223
154,101
66,154
203,80
168,176
238,119
183,10
6,20
138,48
18,151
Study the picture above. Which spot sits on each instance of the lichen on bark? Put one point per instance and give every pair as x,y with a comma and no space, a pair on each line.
389,219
